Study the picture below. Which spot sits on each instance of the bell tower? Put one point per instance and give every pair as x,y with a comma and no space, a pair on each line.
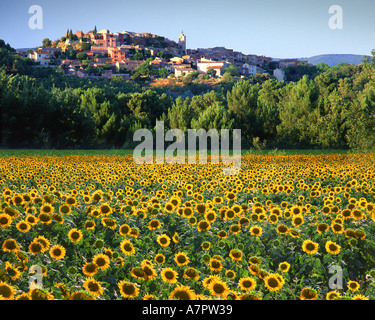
182,42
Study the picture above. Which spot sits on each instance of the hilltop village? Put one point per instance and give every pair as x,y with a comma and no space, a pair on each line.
104,53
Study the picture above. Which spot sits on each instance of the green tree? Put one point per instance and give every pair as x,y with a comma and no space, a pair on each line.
47,43
299,113
211,72
268,108
242,103
82,56
163,73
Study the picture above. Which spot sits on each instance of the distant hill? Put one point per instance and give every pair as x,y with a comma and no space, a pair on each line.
335,59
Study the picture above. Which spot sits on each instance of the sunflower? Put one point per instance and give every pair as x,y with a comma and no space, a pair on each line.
31,220
191,273
71,201
169,207
201,208
80,295
331,295
310,247
322,227
273,282
65,209
169,275
101,260
154,224
127,247
92,286
337,228
12,271
282,229
148,296
254,260
203,225
254,269
230,214
44,242
109,223
181,259
90,225
182,292
332,247
284,266
235,255
346,214
159,258
296,210
210,216
308,294
23,296
297,220
44,218
6,291
124,229
230,274
35,247
230,196
359,234
47,208
58,218
163,240
105,209
217,200
206,281
57,252
247,283
360,297
250,296
150,272
176,238
222,234
138,273
5,220
75,235
219,288
273,218
215,264
89,269
353,285
256,231
206,245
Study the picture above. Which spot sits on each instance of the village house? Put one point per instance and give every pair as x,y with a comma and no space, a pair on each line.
204,64
284,63
184,69
128,64
250,69
43,57
116,54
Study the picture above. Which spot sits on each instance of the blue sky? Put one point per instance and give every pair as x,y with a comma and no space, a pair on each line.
276,28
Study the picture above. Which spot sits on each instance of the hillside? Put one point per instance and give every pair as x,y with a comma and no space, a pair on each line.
335,59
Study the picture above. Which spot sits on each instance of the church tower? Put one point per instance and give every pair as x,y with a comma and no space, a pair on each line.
182,42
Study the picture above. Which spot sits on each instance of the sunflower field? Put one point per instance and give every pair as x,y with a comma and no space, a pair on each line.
287,227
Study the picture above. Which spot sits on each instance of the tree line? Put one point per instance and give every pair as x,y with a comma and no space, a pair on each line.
42,108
